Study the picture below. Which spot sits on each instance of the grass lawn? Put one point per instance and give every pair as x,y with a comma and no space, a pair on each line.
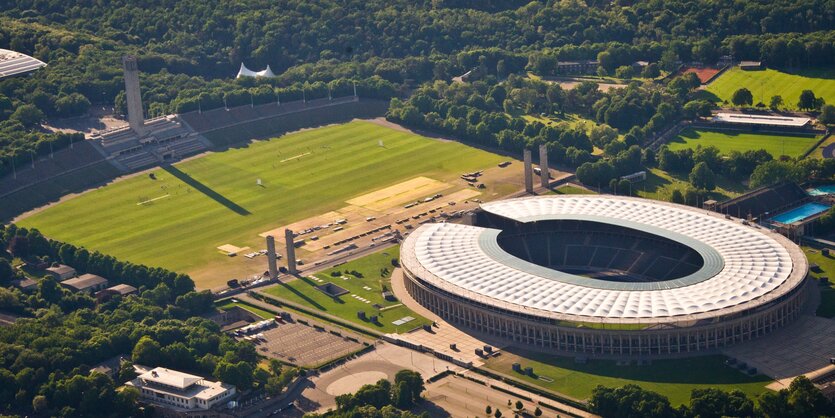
257,311
727,141
660,184
827,269
766,83
571,190
376,274
193,207
674,378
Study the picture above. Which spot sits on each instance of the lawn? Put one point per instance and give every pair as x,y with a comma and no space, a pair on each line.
178,218
727,141
660,184
818,152
375,271
674,378
226,304
766,83
827,269
569,189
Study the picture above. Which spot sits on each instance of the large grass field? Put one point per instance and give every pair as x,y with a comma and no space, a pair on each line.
727,141
766,83
660,184
375,270
195,206
674,378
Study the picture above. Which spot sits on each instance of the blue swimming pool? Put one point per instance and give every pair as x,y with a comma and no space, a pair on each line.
822,190
801,213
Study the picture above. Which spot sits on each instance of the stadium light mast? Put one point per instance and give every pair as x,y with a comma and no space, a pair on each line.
355,89
329,93
251,100
225,106
277,99
32,156
304,96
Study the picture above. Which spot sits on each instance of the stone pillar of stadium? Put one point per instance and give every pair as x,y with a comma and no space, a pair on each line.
271,257
133,96
291,251
544,177
526,156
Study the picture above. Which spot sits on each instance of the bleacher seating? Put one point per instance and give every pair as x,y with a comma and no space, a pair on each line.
594,249
770,199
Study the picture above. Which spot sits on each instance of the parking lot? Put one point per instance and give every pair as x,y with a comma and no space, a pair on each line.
306,345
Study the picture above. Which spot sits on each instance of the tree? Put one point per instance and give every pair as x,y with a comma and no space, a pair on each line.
519,405
28,115
146,351
742,97
19,246
537,412
498,413
808,101
488,410
6,272
776,102
39,404
715,403
412,383
827,116
629,401
677,197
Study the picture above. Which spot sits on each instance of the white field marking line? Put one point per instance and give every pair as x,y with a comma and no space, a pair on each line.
294,157
151,200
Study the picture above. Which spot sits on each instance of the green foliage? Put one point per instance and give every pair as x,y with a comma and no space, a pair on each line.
702,177
827,116
742,97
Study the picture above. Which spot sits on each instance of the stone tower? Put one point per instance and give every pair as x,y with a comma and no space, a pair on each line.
136,115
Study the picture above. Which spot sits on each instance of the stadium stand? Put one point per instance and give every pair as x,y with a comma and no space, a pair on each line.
768,199
596,250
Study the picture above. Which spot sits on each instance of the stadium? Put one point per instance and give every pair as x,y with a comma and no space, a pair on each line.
606,275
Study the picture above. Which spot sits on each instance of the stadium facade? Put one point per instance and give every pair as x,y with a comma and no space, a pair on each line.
606,275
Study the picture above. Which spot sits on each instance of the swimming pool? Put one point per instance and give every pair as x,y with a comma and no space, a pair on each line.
801,213
822,190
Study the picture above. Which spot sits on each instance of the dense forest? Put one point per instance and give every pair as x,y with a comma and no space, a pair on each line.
190,50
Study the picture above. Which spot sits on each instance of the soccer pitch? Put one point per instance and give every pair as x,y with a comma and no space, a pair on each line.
766,83
177,219
727,141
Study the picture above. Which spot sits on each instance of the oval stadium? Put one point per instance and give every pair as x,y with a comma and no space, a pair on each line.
606,275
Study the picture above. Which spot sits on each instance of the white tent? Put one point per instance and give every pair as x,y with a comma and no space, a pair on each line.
246,72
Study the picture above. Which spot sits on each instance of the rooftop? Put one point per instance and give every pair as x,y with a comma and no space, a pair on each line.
760,119
13,63
123,289
85,281
62,269
744,267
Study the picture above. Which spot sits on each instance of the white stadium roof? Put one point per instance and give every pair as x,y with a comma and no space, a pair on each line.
13,63
752,268
760,119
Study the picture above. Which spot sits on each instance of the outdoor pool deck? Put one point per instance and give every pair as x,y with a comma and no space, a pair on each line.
800,213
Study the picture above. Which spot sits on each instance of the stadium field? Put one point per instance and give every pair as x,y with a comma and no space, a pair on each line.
727,141
766,83
564,375
178,218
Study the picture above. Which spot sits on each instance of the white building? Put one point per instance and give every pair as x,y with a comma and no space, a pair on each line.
180,391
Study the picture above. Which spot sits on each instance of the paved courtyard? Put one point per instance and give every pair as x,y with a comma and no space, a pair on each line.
799,348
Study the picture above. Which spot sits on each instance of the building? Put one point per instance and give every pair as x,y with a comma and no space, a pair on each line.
61,272
606,275
27,285
750,65
761,120
577,67
120,290
14,63
180,392
110,367
246,72
89,283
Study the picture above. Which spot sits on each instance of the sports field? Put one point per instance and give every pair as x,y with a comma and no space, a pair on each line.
766,83
673,378
727,141
178,218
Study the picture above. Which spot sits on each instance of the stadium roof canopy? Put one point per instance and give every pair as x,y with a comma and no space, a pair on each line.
246,72
760,119
13,63
744,267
